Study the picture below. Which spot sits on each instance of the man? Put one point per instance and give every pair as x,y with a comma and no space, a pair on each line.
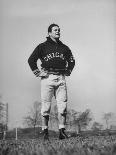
56,62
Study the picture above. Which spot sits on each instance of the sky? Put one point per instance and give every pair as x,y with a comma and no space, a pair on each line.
87,27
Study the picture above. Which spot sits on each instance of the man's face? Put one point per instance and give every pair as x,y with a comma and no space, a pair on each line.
55,33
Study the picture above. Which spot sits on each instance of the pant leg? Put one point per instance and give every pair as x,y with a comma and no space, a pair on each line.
61,97
47,92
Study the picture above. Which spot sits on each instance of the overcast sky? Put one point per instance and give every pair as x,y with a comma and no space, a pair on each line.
88,27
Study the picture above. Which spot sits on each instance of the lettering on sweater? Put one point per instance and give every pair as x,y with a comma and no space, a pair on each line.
53,55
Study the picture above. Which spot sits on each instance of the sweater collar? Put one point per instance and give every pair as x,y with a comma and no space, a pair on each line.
53,42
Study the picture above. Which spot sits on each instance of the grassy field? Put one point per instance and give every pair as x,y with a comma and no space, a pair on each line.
92,145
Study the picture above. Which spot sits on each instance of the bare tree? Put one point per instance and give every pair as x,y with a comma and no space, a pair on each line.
34,116
3,117
78,120
1,120
1,110
83,119
107,117
96,126
70,119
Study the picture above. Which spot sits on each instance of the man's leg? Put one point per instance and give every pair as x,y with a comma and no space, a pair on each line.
45,120
46,98
62,120
61,97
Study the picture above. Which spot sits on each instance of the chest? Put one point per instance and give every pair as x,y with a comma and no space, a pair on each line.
54,49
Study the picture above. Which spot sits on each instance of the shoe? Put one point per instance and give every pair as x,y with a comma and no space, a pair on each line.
45,134
62,134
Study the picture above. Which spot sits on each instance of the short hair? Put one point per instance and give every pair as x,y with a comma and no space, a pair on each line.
51,26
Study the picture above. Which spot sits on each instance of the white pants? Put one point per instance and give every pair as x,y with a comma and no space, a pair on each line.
53,85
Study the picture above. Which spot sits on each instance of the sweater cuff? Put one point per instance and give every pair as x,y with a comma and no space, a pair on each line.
36,72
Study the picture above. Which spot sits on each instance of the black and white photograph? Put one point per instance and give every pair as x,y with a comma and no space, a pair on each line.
57,77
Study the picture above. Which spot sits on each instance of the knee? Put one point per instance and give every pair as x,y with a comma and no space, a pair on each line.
46,117
62,109
45,109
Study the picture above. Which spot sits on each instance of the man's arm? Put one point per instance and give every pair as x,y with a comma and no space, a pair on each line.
71,63
32,61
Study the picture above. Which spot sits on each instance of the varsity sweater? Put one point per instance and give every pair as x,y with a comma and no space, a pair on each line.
54,56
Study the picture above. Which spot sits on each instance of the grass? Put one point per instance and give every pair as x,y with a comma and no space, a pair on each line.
92,145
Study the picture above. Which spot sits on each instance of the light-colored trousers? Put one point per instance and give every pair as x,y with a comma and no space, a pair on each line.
53,85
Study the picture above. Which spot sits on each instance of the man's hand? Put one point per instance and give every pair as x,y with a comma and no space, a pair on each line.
67,73
43,73
36,72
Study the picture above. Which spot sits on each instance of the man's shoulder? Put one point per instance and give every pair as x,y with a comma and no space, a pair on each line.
41,44
65,46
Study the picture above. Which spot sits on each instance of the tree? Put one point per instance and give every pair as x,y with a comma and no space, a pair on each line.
34,116
70,119
107,117
3,117
1,110
78,120
83,119
112,127
96,126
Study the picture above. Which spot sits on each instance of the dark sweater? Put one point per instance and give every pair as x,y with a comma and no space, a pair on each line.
55,56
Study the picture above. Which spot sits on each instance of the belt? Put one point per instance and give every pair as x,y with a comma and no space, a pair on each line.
55,71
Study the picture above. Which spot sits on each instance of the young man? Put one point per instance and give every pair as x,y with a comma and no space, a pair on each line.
56,62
